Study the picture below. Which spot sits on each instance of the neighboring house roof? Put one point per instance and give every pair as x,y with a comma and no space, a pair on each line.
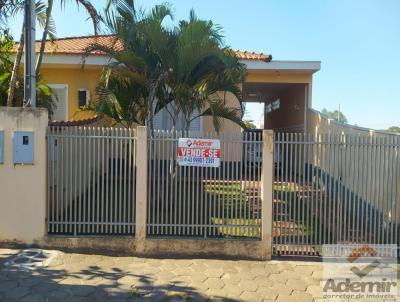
253,56
77,46
73,123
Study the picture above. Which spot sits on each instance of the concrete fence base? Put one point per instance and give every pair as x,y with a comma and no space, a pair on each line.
157,247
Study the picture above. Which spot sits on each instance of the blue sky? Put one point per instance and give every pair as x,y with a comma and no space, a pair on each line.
357,42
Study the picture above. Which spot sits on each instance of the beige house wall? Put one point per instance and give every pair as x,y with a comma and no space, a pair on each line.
75,77
23,187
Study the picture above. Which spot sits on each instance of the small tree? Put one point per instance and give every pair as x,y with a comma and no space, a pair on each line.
6,45
249,124
394,129
335,115
45,96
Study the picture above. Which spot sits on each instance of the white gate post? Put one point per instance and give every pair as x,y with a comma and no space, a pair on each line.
267,193
141,184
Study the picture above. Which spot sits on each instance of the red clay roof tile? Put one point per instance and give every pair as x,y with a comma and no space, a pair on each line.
78,45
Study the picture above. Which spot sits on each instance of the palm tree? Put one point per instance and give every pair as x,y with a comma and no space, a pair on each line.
130,83
7,8
45,97
49,27
45,20
203,73
41,17
185,70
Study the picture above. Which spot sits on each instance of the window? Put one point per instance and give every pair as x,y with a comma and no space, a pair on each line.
276,104
268,108
163,121
83,97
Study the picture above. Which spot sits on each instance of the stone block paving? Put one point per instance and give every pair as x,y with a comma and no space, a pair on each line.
78,277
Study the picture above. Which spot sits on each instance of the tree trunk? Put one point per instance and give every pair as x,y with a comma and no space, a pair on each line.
151,116
187,124
44,36
17,63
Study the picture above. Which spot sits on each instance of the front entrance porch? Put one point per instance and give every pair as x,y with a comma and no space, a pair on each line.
285,104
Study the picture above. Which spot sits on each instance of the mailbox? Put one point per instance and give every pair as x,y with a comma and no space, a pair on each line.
23,147
1,146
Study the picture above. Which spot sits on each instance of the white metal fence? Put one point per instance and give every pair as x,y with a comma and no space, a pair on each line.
335,189
326,189
91,180
204,202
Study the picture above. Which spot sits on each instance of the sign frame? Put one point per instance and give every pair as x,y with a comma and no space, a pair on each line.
199,152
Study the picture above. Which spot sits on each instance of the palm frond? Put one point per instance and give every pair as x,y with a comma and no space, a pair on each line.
91,10
218,111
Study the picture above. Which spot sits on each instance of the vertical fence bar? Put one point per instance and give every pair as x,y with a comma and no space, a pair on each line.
391,190
133,167
102,177
370,195
125,204
150,186
76,190
281,164
396,165
48,175
364,165
108,181
259,163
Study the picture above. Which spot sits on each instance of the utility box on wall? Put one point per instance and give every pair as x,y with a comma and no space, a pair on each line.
1,146
23,147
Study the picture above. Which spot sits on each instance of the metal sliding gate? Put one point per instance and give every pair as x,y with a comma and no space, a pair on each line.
218,202
91,180
333,189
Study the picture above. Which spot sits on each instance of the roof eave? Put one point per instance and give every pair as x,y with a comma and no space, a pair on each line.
282,66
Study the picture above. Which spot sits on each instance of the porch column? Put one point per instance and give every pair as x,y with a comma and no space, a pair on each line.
267,193
141,184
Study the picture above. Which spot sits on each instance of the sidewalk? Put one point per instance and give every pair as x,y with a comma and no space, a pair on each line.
77,277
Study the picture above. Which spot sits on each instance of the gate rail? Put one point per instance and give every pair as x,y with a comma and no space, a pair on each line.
91,181
221,202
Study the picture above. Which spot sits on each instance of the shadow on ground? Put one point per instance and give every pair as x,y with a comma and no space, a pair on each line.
93,283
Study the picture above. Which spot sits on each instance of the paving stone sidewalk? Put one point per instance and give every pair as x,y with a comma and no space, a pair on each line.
78,277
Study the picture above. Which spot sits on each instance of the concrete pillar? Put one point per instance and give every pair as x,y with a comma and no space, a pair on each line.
267,193
141,184
23,187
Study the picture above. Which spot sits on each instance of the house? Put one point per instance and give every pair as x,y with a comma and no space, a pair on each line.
285,87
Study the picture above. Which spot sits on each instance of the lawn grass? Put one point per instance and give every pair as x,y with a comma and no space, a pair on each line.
235,198
239,227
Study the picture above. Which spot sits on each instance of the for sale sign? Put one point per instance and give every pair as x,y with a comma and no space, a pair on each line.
199,152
